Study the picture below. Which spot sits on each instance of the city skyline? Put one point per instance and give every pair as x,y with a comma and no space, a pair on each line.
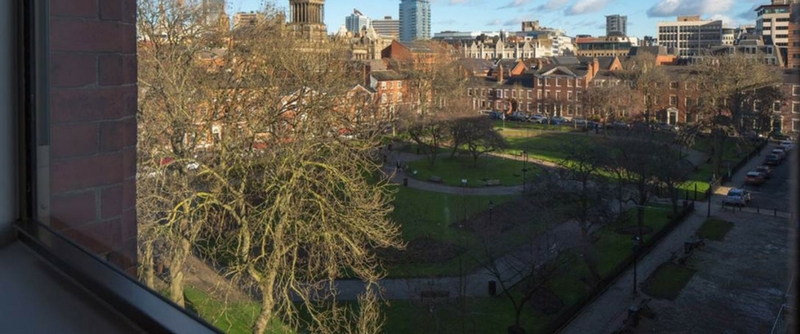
574,16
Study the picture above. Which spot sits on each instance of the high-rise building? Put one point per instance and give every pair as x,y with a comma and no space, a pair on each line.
244,19
772,21
387,27
415,20
356,21
793,54
616,25
307,19
212,9
689,35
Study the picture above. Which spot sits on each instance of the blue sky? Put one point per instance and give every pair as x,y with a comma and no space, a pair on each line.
574,16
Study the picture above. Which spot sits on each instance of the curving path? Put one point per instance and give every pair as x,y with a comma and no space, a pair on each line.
397,175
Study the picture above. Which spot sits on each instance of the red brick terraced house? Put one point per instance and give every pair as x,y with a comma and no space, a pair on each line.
552,85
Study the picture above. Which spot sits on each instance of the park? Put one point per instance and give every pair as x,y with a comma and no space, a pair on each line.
459,227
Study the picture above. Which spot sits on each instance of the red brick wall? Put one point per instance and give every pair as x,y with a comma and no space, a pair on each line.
93,126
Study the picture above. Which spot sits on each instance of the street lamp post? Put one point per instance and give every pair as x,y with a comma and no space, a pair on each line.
491,206
708,197
636,241
524,171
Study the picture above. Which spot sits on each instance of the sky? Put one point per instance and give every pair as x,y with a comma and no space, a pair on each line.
574,16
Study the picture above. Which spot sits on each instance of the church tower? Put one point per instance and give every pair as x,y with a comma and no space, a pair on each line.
307,19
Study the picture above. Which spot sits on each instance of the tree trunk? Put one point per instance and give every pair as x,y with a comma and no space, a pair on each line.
176,285
176,271
267,305
147,265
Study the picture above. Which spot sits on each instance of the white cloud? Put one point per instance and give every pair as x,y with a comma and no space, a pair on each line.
749,14
585,7
727,21
551,5
667,8
515,22
457,2
516,3
495,22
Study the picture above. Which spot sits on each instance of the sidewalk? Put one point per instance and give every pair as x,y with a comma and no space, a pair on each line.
606,313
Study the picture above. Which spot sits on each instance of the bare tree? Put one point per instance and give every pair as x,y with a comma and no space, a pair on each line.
607,100
726,82
674,170
523,273
260,182
634,168
647,78
583,195
477,134
437,85
172,129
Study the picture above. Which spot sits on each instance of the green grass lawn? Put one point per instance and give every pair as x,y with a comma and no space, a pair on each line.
428,214
453,170
236,317
547,146
425,213
714,229
667,281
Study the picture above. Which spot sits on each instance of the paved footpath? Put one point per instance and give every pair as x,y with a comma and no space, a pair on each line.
397,175
608,311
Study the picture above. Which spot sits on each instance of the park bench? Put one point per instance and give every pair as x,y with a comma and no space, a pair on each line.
432,295
635,312
692,244
688,249
435,179
490,183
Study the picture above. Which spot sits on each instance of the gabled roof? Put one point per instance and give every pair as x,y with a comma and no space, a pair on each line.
559,70
376,64
360,87
566,60
475,64
387,75
604,62
578,70
506,63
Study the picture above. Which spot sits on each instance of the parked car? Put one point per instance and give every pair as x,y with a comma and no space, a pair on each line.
537,118
558,120
638,125
779,152
766,170
787,145
754,178
779,136
737,197
494,114
666,127
579,121
517,116
772,160
618,125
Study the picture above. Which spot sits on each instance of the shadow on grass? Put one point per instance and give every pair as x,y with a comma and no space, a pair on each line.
667,281
714,229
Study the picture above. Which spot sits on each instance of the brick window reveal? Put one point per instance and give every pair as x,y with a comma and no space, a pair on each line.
92,126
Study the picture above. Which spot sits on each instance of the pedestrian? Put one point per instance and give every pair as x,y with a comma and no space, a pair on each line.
397,164
384,158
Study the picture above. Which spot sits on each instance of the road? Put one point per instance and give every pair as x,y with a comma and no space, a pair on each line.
774,194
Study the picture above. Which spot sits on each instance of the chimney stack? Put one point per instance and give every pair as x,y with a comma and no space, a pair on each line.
500,74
